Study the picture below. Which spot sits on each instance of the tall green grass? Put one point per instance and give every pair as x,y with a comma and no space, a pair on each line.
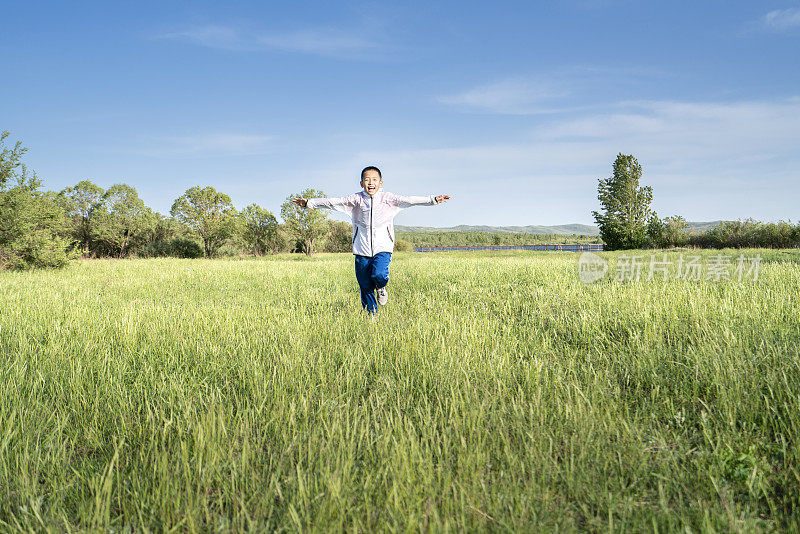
495,391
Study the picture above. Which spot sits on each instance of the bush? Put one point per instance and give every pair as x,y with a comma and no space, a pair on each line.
749,233
33,224
401,245
339,237
259,230
179,247
670,232
655,233
31,231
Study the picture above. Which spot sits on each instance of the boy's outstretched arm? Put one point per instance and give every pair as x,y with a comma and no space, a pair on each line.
402,201
343,204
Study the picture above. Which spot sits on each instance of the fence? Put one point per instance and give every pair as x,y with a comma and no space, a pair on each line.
567,247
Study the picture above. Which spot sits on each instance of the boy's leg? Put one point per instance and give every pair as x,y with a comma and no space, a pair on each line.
380,269
366,284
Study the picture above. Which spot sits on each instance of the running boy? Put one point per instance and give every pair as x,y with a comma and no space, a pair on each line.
372,211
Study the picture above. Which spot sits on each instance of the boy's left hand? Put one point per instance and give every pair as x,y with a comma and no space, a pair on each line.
442,198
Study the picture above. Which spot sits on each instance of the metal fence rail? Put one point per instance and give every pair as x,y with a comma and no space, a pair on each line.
567,247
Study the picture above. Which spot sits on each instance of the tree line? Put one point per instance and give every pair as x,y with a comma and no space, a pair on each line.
626,220
471,238
48,228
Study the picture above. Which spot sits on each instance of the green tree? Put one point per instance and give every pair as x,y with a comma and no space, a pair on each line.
121,219
626,206
209,214
165,236
11,165
655,232
161,228
304,225
401,245
675,231
340,237
260,230
32,223
80,203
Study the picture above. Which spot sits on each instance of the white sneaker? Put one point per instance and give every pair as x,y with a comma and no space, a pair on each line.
383,296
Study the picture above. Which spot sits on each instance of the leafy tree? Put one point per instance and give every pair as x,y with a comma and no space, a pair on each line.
159,228
31,222
121,219
675,231
340,237
260,230
626,206
655,232
304,225
209,214
11,165
401,245
80,203
164,236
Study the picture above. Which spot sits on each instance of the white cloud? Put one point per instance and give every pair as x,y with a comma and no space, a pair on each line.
211,37
551,92
208,145
782,19
712,133
705,160
317,41
512,96
321,42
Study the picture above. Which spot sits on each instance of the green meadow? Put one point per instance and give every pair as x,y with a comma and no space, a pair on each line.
494,392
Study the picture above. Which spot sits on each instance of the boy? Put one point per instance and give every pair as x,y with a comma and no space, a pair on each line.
372,211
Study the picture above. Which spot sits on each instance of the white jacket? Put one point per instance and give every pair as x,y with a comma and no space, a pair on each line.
373,229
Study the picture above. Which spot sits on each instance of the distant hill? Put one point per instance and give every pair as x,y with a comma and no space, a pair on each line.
702,226
561,229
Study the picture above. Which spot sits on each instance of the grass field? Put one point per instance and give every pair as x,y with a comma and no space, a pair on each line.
495,391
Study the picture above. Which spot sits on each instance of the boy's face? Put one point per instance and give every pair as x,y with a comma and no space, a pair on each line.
371,182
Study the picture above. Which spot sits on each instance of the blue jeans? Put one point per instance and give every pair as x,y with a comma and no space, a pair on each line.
372,273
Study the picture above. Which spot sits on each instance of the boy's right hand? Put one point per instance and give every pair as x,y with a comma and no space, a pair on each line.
300,201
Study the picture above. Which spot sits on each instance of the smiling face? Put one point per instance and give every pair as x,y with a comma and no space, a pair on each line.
371,181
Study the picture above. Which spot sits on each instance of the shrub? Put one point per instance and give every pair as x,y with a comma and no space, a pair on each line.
339,237
401,245
179,247
749,233
32,224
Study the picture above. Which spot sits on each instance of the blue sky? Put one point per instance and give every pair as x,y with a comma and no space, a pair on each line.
513,108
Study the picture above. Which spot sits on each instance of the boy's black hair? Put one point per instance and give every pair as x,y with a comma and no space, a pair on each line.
371,168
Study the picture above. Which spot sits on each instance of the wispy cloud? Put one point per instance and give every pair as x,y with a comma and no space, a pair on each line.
549,92
210,36
207,145
705,135
318,41
711,135
782,19
513,97
321,42
738,159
